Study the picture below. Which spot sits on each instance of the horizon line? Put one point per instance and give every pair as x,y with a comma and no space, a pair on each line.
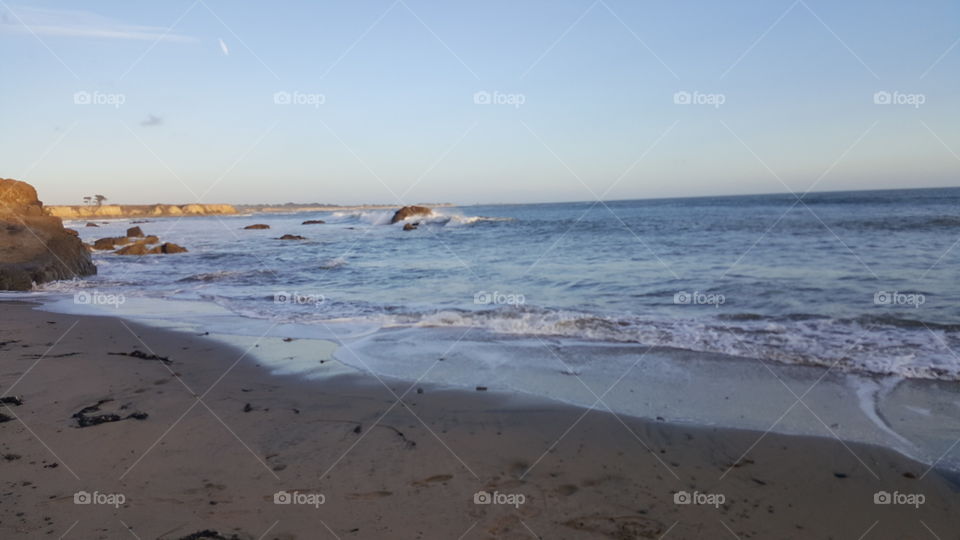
579,201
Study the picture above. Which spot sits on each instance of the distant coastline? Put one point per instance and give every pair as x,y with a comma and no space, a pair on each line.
139,210
178,210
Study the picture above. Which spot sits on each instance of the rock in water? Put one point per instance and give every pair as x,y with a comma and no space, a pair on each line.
134,232
34,247
292,237
411,226
139,248
410,211
142,247
168,247
257,226
111,242
313,222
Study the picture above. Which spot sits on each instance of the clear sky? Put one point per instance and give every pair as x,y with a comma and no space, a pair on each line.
177,101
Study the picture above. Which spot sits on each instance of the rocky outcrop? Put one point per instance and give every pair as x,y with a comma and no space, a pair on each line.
313,222
168,248
34,246
411,226
137,244
410,211
257,226
292,237
139,210
104,244
143,248
137,248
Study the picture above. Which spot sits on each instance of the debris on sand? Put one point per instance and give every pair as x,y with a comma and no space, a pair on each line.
143,356
86,419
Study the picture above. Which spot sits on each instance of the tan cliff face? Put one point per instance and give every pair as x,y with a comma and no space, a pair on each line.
139,210
34,246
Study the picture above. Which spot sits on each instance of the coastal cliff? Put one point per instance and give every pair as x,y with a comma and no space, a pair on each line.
139,210
34,246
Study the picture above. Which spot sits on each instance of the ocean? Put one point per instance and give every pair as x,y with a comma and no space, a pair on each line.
625,305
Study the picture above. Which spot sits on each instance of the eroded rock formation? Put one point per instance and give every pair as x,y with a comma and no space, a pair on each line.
34,246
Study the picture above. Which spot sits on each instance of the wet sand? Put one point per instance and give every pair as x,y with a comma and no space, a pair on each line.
200,444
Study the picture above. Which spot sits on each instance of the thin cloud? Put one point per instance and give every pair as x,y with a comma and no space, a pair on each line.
151,120
81,24
223,47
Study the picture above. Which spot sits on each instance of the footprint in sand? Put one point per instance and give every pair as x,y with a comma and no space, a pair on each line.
519,469
369,495
628,526
433,480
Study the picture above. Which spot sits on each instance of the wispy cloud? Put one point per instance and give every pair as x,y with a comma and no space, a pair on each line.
223,47
151,120
82,24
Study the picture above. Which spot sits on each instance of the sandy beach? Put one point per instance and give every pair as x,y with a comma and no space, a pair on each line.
203,442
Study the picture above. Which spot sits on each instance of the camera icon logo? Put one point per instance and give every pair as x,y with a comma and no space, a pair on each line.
482,98
882,497
282,98
282,497
82,497
281,297
81,98
82,298
883,298
682,297
482,298
682,98
482,497
882,98
682,497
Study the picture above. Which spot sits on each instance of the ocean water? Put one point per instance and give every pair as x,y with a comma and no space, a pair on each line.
861,281
717,310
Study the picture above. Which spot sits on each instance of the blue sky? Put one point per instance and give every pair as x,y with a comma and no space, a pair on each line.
177,101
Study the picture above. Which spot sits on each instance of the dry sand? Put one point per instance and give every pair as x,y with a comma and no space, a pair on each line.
222,436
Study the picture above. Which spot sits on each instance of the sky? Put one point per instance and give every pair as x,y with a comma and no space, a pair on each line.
403,101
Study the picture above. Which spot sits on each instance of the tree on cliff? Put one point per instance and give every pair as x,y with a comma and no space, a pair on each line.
100,199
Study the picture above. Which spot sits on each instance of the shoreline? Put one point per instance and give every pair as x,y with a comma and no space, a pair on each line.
914,417
583,473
